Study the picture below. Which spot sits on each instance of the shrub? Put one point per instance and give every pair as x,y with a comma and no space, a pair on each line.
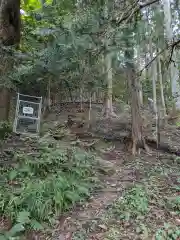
133,204
44,186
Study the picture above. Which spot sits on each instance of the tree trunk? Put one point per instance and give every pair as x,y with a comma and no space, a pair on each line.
9,35
10,22
174,73
161,88
108,108
160,44
140,93
140,61
138,140
81,99
137,123
49,94
90,109
140,85
154,78
4,104
47,100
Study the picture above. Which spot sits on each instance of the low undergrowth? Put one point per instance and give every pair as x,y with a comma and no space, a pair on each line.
149,210
133,204
5,129
41,186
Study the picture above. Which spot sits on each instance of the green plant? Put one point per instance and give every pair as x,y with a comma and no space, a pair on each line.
168,232
80,235
5,129
134,203
37,189
23,222
113,234
174,203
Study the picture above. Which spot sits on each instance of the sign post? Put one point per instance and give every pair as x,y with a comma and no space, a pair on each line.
28,114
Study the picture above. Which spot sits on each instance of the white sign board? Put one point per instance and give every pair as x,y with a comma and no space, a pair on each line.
28,110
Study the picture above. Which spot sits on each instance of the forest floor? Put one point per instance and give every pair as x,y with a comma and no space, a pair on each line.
139,199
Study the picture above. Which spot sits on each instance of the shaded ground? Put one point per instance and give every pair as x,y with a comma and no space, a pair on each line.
141,200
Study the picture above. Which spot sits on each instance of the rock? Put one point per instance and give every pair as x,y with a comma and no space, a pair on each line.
105,167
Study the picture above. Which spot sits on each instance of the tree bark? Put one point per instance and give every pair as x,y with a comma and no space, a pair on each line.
4,104
47,100
154,78
138,139
108,103
174,73
137,122
141,78
161,88
9,36
108,108
10,22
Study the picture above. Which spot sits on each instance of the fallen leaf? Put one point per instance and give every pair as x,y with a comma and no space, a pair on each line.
102,226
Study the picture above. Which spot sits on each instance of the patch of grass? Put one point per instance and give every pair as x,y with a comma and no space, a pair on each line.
173,203
143,209
168,232
133,204
113,234
80,235
38,188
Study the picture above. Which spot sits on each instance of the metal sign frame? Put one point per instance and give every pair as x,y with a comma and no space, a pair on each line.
17,116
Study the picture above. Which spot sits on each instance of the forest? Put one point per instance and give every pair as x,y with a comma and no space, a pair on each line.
90,120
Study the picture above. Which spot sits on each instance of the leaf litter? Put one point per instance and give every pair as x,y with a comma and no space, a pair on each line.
140,200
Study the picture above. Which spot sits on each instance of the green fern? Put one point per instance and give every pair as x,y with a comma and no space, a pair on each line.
43,187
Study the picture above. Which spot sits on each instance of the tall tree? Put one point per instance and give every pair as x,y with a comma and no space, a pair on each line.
108,62
138,139
9,36
174,73
160,45
154,76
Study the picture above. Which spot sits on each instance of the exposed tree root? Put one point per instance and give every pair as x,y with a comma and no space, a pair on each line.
164,147
148,143
151,143
136,147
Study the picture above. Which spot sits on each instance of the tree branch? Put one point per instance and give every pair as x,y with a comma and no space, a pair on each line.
172,46
150,62
172,50
148,4
134,10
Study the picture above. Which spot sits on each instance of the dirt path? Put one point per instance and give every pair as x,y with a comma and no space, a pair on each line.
86,222
139,201
149,210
